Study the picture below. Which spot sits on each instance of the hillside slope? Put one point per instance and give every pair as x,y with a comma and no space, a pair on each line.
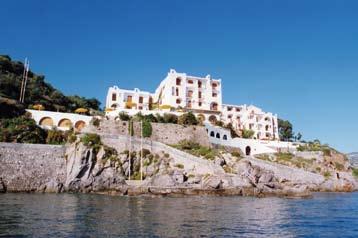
38,91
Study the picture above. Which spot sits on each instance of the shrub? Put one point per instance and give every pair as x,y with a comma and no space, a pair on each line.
124,116
236,154
91,139
150,117
55,137
170,118
72,138
180,166
147,128
232,131
159,118
327,174
247,134
166,155
339,166
21,130
187,119
355,172
188,145
96,122
145,152
219,123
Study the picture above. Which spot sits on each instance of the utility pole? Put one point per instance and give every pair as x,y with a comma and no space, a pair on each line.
24,80
130,147
141,150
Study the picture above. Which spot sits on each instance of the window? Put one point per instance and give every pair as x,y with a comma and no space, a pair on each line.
189,104
225,137
129,98
199,84
178,81
190,93
173,91
114,97
177,91
218,135
140,107
212,134
199,94
199,103
229,116
229,109
178,101
190,81
214,95
214,85
140,99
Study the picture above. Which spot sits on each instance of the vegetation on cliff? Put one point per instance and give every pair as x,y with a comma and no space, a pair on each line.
38,91
23,129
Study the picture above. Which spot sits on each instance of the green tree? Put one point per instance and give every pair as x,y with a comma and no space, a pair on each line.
247,134
187,119
147,128
285,130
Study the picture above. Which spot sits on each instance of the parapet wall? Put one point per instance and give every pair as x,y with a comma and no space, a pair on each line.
25,167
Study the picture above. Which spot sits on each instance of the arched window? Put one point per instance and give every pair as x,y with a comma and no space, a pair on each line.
79,125
65,123
212,119
46,121
218,135
178,101
225,137
212,134
248,150
178,81
214,106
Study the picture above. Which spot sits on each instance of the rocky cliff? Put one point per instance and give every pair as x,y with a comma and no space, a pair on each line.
103,169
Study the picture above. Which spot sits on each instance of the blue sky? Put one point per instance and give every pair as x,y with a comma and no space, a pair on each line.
295,58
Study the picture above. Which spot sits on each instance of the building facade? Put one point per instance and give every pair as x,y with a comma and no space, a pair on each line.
179,92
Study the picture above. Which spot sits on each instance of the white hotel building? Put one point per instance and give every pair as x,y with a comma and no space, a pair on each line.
179,92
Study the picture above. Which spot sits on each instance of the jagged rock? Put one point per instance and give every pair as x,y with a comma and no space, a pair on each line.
212,182
52,186
162,180
194,179
88,171
266,177
2,186
219,161
178,177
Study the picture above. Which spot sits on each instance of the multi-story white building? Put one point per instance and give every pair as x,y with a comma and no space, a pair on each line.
180,92
264,124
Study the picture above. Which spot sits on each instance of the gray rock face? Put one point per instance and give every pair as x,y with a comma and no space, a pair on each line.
162,180
212,182
88,171
2,186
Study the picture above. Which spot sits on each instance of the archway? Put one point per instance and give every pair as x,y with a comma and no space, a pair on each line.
201,117
65,123
212,119
218,135
79,125
225,137
212,134
46,121
248,150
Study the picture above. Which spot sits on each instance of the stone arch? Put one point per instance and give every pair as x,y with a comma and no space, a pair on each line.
218,135
212,119
212,134
46,121
79,125
66,123
248,150
225,137
201,117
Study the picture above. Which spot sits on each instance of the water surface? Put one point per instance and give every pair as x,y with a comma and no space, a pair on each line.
84,215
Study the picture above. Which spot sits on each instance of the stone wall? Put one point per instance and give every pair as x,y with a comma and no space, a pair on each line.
27,167
166,133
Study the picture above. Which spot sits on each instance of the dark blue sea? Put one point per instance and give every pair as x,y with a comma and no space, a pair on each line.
84,215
